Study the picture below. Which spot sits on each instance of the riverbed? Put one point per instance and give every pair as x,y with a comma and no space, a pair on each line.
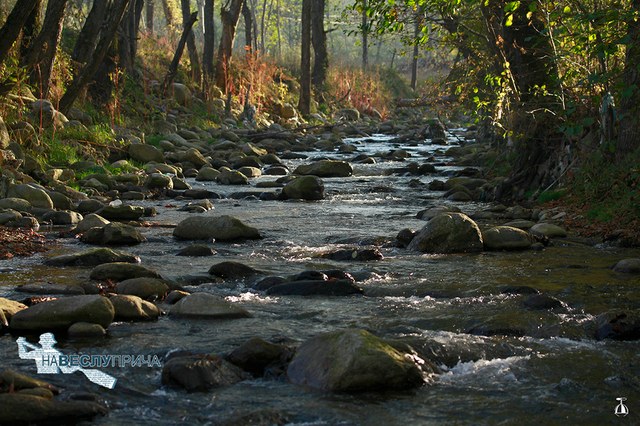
546,367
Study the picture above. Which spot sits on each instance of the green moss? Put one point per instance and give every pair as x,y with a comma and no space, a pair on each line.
547,196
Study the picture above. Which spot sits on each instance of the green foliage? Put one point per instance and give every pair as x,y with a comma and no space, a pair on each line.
547,196
608,190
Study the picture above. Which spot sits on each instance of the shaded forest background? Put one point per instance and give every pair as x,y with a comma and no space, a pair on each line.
553,86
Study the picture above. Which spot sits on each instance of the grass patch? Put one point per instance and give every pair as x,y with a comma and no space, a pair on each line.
548,196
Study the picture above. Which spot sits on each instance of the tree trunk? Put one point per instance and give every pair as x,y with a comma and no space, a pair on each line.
88,37
414,58
278,32
31,28
304,105
128,36
39,59
262,17
248,27
15,21
107,36
531,120
191,41
149,15
365,37
168,13
319,40
629,110
173,68
209,39
230,17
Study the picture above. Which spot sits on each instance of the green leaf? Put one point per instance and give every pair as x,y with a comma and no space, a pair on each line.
509,20
511,6
566,9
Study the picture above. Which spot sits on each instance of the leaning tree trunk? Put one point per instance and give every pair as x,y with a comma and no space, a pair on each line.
230,17
191,41
39,58
15,21
304,105
31,28
319,41
114,17
209,40
629,110
88,37
173,68
414,57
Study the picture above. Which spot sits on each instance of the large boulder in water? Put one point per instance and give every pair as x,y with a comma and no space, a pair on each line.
22,408
92,257
115,234
133,308
325,168
205,305
548,230
304,188
119,271
506,238
448,233
201,372
61,313
34,194
223,228
352,360
143,287
628,266
8,308
145,153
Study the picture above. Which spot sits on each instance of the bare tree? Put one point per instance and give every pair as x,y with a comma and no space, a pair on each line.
114,17
319,41
209,39
230,15
15,21
31,28
40,56
191,41
149,12
304,104
248,26
173,68
128,35
88,37
365,37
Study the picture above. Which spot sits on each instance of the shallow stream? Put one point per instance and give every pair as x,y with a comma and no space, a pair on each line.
555,372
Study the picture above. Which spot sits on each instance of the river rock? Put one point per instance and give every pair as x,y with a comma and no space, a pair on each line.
222,228
143,287
61,313
91,220
21,408
133,308
158,181
506,238
174,296
361,255
628,266
119,271
199,373
352,360
232,177
232,270
256,355
448,233
17,204
35,195
121,212
8,308
347,114
205,305
115,234
196,250
325,168
61,217
315,287
619,327
542,301
92,257
304,188
268,282
207,173
432,212
548,230
20,382
195,157
82,330
145,153
50,288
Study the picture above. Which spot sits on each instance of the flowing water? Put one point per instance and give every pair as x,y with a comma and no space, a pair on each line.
552,371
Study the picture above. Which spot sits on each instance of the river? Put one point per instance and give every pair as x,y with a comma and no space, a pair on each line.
547,369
